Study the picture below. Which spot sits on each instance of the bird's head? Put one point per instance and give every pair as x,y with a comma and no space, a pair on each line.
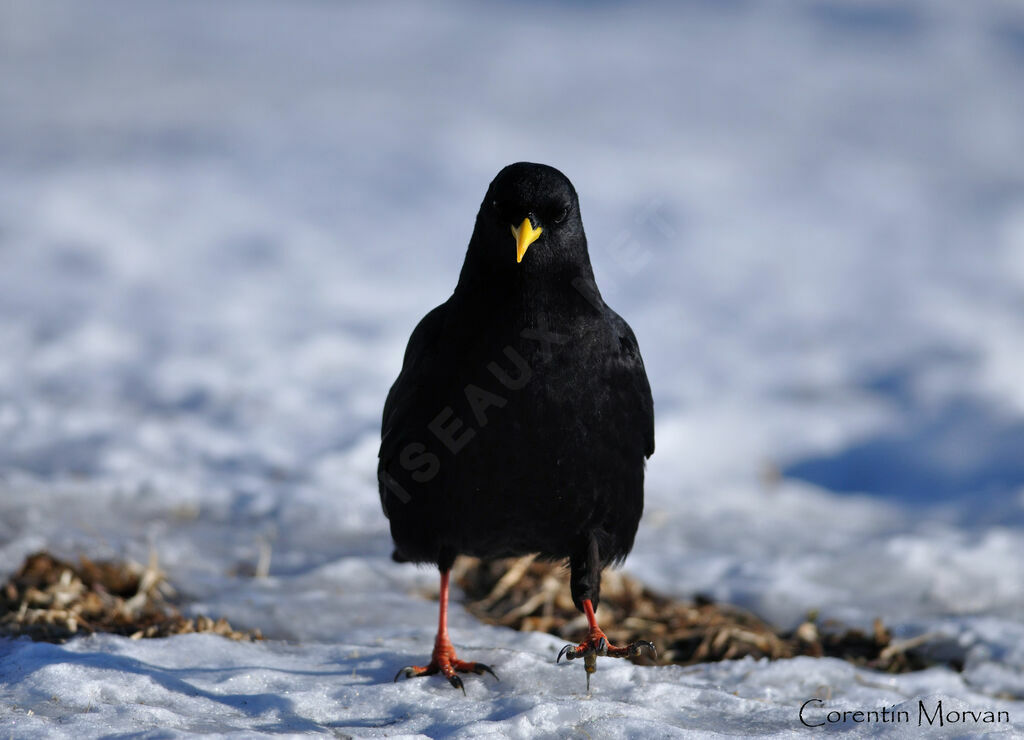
530,220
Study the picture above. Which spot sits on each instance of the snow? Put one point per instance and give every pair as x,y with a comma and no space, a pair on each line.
219,223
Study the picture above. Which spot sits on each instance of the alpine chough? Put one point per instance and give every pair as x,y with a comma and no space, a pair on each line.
522,416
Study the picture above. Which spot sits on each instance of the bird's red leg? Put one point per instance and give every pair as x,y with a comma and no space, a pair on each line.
443,659
596,643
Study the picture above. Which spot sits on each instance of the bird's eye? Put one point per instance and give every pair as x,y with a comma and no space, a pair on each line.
495,205
562,215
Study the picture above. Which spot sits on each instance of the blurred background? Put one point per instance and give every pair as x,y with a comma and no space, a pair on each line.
220,221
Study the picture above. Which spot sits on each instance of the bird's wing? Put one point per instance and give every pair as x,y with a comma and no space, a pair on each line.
629,366
402,398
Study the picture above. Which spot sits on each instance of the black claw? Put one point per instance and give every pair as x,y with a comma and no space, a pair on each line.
602,647
481,668
457,683
569,651
407,671
637,646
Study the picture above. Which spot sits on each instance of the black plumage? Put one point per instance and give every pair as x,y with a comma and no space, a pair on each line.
522,416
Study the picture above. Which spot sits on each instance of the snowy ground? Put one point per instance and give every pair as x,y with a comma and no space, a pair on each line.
220,221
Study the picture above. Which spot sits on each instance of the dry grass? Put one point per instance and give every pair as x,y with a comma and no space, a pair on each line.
53,600
527,594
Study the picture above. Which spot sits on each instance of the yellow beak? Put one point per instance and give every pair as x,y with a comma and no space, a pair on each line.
525,235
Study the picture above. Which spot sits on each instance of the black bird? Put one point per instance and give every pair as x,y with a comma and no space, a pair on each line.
522,416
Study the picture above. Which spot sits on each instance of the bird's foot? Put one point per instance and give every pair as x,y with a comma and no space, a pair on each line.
597,644
443,661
